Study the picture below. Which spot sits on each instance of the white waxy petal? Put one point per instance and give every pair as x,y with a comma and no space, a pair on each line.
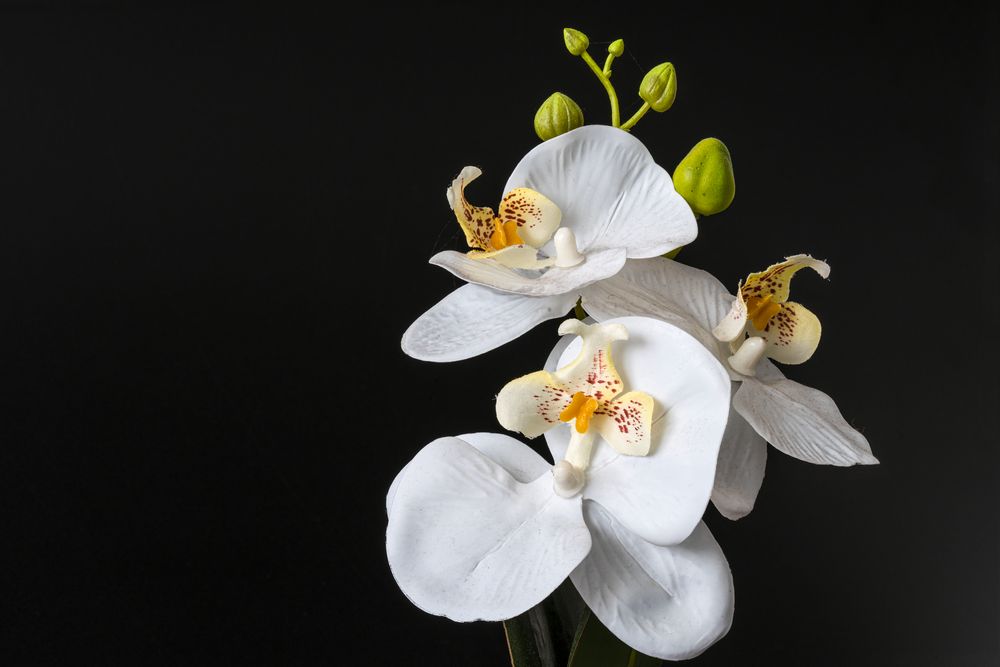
466,540
611,192
688,298
668,602
801,422
513,256
660,496
740,471
792,335
557,280
475,319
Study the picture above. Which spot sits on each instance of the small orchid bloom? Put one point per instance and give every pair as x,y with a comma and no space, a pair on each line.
763,322
483,528
756,325
576,208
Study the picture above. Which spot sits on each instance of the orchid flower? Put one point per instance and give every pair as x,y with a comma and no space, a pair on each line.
483,528
750,329
576,208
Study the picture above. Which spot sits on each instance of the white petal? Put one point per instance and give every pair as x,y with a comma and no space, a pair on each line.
740,470
521,462
661,496
597,265
468,541
668,602
611,192
475,319
801,422
640,292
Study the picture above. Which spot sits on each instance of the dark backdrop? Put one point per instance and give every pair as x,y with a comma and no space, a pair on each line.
215,228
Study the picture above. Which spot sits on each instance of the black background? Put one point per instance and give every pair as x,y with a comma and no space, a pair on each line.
214,231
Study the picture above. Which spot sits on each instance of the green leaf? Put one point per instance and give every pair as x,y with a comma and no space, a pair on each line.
595,646
521,642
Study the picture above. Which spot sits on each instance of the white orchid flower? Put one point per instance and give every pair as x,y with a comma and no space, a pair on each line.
577,206
483,528
755,326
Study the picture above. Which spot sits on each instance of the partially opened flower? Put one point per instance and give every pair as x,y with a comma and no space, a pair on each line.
757,324
482,528
576,207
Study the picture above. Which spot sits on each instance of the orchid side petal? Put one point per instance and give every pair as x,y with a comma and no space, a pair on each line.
611,192
740,469
668,602
801,422
557,280
475,319
468,541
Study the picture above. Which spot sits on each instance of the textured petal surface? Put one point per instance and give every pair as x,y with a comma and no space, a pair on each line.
687,298
668,602
521,462
740,470
597,265
475,319
467,541
611,192
801,422
661,496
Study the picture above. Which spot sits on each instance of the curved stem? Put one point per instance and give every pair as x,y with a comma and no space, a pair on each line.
635,117
615,115
607,65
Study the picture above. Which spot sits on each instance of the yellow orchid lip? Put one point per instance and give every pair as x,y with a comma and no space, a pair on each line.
763,316
581,408
527,220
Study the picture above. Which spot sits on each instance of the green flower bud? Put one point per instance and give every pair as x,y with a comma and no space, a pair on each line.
576,41
659,87
705,177
617,48
558,115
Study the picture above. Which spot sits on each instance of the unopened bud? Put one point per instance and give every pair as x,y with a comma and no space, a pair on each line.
558,115
617,48
576,41
659,87
705,177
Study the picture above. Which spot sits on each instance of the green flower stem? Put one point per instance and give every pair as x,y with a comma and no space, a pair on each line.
627,125
615,115
607,65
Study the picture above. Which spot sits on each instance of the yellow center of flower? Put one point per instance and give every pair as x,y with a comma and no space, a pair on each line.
504,234
760,310
581,407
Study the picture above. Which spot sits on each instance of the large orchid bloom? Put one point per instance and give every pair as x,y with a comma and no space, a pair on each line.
744,332
483,528
576,207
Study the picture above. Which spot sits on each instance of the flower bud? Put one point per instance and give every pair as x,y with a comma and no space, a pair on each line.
659,87
705,177
558,115
617,48
576,41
